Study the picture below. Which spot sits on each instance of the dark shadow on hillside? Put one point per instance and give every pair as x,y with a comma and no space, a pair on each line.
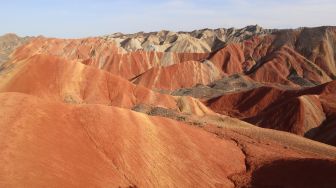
305,173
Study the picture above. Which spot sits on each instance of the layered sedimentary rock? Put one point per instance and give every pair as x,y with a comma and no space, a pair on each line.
181,75
302,56
56,79
302,112
207,108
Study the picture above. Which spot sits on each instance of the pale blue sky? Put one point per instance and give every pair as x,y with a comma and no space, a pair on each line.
81,18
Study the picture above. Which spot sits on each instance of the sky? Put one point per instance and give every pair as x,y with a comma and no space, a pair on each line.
84,18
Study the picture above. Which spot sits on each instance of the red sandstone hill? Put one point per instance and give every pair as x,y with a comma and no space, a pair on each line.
302,112
246,107
293,56
56,79
104,54
283,57
181,75
95,145
53,78
100,146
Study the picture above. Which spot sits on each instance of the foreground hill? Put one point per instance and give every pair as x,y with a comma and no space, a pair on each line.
97,146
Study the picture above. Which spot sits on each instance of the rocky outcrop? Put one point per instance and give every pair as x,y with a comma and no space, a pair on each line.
8,43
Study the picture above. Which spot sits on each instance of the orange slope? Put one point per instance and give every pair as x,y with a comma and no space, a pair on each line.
181,75
54,78
59,145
